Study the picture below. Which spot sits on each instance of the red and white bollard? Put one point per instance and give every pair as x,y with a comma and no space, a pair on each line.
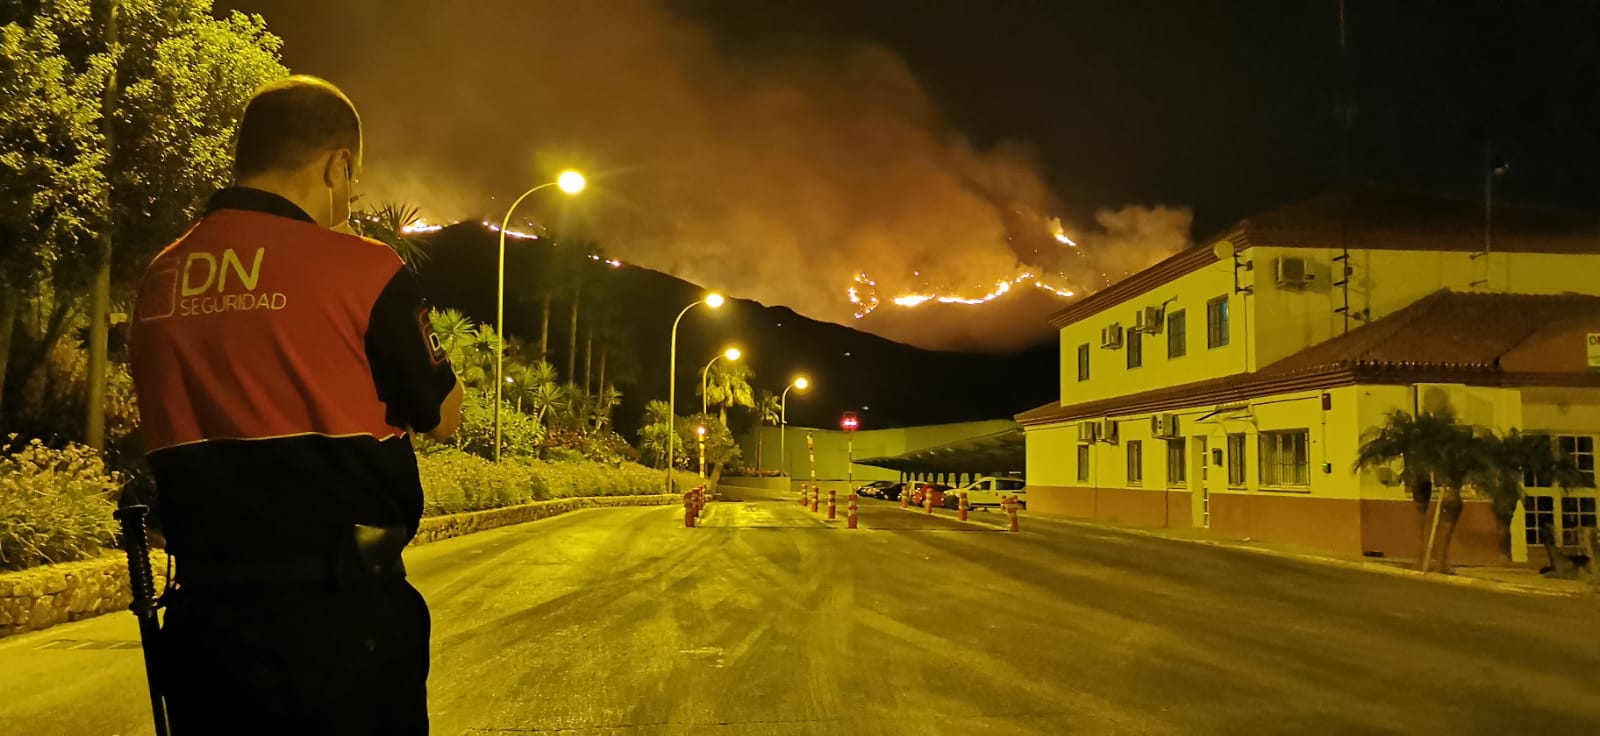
1011,510
905,496
688,509
927,501
700,501
852,507
962,513
816,497
802,494
832,514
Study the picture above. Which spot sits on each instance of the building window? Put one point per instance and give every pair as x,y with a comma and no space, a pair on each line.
1578,448
1217,322
1581,450
1177,464
1177,334
1083,463
1286,458
1083,362
1135,349
1576,514
1236,460
1540,511
1135,462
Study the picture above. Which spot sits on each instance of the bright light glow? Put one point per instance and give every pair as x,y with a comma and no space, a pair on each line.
863,294
732,354
570,181
802,383
700,431
1060,233
714,300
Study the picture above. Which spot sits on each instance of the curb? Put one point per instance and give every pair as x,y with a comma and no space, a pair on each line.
1373,567
43,597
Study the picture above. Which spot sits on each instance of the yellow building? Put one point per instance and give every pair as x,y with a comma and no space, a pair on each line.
1229,386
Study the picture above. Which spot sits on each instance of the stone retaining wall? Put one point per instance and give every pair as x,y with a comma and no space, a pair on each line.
41,597
435,528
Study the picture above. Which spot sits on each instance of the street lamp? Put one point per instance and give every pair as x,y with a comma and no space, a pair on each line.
801,383
700,431
731,354
712,300
568,181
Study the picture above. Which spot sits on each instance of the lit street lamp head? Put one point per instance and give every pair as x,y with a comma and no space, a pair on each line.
802,383
570,181
700,431
732,354
714,300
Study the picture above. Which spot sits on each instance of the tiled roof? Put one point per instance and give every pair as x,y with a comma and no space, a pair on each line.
1446,337
1447,329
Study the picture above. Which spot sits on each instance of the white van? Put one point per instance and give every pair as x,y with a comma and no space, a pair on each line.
988,490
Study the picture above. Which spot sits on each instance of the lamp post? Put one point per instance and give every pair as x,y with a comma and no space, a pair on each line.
700,432
801,383
713,300
849,423
570,182
705,373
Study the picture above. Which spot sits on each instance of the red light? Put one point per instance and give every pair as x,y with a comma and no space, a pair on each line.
849,423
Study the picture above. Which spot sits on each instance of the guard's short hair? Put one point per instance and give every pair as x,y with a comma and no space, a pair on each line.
289,121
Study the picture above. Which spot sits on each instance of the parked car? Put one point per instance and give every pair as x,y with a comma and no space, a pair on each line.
876,488
989,490
891,492
937,490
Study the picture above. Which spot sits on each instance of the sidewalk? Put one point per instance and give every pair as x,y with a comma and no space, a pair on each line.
1505,579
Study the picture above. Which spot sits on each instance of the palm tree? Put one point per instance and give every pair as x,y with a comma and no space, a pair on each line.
657,432
728,384
454,331
1515,460
767,412
604,404
387,223
1434,450
478,357
546,400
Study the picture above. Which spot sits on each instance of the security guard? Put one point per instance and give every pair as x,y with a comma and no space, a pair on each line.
281,368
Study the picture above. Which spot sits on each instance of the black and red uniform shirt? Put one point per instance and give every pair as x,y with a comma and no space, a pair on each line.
280,368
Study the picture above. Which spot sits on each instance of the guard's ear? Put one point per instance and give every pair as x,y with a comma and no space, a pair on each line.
337,165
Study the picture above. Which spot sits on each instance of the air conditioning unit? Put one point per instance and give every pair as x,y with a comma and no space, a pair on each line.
1293,273
1147,320
1111,337
1108,430
1164,426
1088,431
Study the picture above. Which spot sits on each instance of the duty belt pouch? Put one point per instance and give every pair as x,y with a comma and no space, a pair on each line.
369,556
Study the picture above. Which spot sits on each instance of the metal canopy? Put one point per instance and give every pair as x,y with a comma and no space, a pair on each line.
1001,452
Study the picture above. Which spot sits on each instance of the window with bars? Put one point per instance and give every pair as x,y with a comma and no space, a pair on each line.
1217,322
1236,464
1083,463
1083,362
1286,459
1135,462
1135,349
1177,334
1177,464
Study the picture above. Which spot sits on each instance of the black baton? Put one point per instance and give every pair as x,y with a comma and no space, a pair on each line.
136,541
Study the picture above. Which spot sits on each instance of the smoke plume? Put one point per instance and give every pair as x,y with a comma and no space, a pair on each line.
782,175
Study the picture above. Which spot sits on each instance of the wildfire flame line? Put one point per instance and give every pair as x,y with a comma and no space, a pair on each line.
423,226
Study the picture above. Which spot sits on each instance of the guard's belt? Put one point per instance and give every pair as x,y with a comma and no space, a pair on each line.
367,555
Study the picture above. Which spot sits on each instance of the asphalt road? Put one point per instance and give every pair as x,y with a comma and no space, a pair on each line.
768,620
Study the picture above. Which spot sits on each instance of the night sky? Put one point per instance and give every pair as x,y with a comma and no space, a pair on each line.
1017,111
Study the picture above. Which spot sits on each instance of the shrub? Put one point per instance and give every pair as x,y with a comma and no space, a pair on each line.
55,505
453,481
